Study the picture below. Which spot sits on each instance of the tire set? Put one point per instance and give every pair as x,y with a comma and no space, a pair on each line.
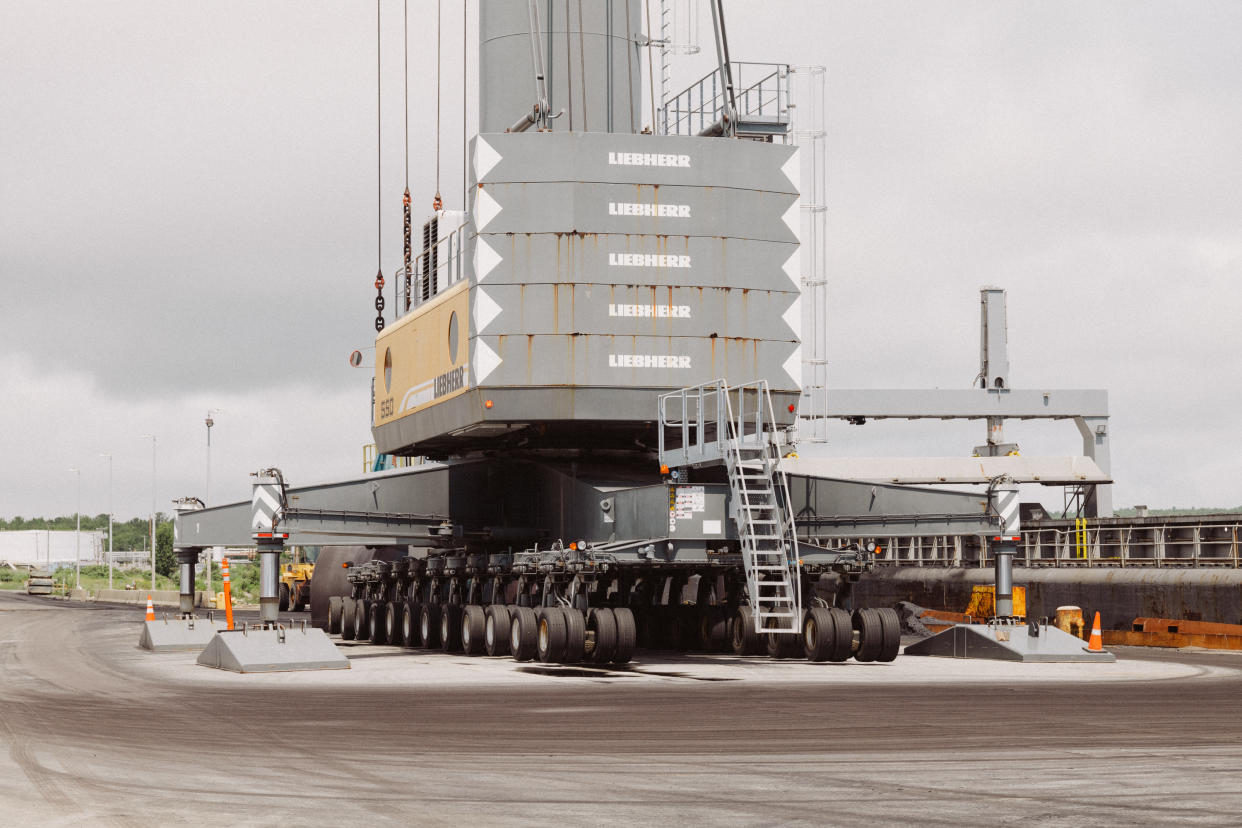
552,635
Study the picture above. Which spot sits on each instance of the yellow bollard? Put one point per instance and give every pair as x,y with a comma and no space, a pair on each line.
1069,619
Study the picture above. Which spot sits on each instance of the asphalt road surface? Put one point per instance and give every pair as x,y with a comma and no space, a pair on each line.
94,731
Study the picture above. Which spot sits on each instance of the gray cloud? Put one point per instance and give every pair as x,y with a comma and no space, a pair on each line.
188,215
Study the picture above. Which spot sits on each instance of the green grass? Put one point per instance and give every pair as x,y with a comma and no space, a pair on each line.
244,577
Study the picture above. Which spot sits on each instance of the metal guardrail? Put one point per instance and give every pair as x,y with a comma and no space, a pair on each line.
697,423
437,267
1085,544
762,93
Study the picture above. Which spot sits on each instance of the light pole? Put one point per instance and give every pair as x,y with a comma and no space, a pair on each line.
207,488
151,437
77,535
109,456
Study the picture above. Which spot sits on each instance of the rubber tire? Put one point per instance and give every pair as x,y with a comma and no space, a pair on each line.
497,630
524,634
552,635
714,630
890,622
450,628
429,625
473,623
334,614
575,636
392,623
819,634
745,640
349,608
783,645
297,605
362,620
870,635
377,620
283,600
603,623
843,635
409,625
627,635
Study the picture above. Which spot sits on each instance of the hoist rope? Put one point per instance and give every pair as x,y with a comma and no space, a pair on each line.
437,203
379,226
629,61
569,67
581,66
379,188
405,45
465,7
407,253
650,69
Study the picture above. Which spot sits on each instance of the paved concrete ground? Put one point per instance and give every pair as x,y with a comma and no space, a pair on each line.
98,732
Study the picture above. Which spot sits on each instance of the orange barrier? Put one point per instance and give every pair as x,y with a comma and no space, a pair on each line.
228,593
150,609
1176,625
1096,644
1135,638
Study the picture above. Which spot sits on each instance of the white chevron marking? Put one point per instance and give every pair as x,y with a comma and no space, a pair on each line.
485,158
485,361
485,259
485,310
485,209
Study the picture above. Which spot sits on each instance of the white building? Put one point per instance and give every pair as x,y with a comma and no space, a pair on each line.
50,549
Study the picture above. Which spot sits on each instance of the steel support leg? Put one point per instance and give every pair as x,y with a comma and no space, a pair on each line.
188,560
269,550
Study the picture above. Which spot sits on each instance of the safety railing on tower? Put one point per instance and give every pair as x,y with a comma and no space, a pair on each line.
762,103
439,266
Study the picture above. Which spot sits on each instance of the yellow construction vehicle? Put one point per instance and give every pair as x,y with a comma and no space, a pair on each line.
295,579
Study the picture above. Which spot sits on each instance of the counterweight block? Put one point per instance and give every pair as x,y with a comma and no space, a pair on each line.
272,651
177,634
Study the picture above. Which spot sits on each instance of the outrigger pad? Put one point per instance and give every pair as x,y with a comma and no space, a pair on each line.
1007,642
172,634
273,651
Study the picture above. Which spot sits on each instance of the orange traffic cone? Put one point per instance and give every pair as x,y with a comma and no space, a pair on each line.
150,609
1096,643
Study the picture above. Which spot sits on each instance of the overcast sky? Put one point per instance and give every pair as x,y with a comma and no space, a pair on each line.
187,221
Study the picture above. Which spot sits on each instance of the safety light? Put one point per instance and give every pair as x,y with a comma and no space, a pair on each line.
573,546
487,404
791,408
663,468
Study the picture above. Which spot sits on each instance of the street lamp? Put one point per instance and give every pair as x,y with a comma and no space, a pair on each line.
207,488
77,535
109,456
151,437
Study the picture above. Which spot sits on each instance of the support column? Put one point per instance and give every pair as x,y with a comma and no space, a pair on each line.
269,550
187,556
1094,431
267,500
1004,553
1004,501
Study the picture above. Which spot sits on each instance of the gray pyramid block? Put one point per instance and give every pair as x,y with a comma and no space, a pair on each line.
272,651
173,634
1007,642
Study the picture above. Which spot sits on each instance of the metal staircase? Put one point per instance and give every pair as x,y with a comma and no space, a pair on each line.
737,426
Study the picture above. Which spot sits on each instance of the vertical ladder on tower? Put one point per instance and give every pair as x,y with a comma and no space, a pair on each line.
737,427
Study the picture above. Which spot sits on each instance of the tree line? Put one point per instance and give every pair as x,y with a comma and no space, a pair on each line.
130,535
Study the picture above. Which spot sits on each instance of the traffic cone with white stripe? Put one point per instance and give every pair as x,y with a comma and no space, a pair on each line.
1096,643
150,608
